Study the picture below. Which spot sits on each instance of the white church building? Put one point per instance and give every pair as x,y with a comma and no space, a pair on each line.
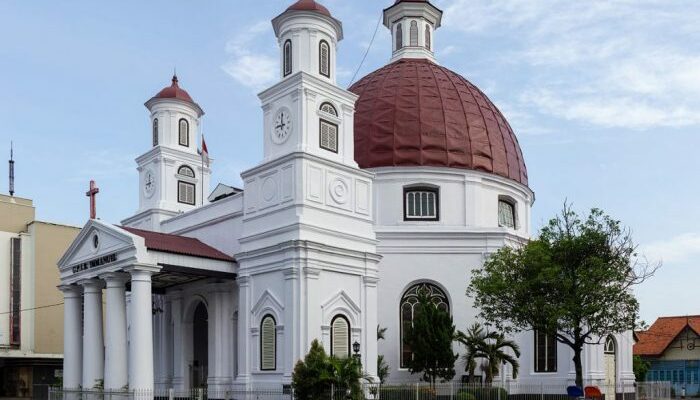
364,197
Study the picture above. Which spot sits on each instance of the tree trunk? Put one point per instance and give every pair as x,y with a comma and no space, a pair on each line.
577,365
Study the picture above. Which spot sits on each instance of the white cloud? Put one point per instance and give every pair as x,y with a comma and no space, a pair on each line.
678,249
620,63
247,64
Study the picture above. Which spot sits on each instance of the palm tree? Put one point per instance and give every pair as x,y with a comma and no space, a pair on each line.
490,346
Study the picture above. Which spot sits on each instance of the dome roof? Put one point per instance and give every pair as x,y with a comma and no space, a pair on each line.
414,112
174,91
309,5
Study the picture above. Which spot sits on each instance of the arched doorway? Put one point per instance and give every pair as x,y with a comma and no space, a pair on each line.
200,346
609,358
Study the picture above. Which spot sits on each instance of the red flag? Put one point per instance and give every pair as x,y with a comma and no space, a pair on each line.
205,153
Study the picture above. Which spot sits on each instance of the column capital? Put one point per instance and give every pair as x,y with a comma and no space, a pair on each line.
115,279
142,272
70,291
92,285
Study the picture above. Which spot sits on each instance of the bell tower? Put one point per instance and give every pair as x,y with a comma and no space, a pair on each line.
412,24
308,248
172,176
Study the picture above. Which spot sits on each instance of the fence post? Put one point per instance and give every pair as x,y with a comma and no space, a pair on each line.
541,390
417,397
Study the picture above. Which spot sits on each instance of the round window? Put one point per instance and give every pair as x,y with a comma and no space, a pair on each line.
95,241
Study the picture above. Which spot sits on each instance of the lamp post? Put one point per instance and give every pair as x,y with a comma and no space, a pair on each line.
356,350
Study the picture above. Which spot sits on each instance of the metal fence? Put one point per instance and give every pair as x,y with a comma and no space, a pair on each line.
414,391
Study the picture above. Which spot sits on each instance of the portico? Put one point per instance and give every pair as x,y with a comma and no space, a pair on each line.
128,266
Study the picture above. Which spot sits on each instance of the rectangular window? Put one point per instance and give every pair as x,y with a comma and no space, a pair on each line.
185,193
421,204
15,290
329,136
545,352
506,214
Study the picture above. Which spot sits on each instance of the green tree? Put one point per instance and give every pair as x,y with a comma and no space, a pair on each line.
430,339
490,346
382,366
640,367
575,280
319,375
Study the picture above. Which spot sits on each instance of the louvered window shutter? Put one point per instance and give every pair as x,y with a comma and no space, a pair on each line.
413,33
340,336
268,344
329,136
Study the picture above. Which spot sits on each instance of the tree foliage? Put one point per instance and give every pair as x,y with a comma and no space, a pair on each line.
430,339
319,375
493,347
575,280
640,367
382,366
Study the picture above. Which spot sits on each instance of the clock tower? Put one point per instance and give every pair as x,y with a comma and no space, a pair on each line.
172,177
308,237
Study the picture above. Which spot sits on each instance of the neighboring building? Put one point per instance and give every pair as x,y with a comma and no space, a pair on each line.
672,346
364,198
31,323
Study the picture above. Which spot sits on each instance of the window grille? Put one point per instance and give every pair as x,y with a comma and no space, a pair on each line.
414,33
184,133
268,344
155,132
185,193
287,57
329,109
324,59
186,171
399,36
421,204
340,337
329,136
506,214
408,310
427,37
545,352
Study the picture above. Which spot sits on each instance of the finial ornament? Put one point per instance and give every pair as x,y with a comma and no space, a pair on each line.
92,194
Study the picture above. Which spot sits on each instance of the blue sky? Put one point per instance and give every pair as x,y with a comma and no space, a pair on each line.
604,98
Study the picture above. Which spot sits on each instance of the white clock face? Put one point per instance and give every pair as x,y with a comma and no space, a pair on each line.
282,126
149,183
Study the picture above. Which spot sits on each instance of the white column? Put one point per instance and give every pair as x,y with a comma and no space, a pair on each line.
291,323
244,307
179,363
368,349
72,336
115,332
220,335
93,343
141,334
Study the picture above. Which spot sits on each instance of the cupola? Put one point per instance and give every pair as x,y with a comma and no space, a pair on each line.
308,36
412,24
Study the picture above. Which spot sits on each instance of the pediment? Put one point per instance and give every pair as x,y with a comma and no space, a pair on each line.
99,244
268,303
340,302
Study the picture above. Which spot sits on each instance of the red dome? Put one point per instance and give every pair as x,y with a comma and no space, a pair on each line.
414,112
174,92
309,5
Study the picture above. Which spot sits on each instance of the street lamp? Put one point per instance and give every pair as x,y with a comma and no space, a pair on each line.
356,348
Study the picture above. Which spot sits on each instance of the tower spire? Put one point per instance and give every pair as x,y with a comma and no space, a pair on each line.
412,24
12,170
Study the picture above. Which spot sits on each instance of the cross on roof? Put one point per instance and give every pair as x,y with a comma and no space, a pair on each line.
92,194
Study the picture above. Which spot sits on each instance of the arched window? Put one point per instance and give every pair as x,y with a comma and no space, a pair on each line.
324,59
328,131
421,204
329,109
155,132
414,33
186,191
268,344
427,37
287,57
340,337
184,133
186,171
609,345
399,36
506,213
408,310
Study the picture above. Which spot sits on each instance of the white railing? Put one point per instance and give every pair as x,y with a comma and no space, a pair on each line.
413,391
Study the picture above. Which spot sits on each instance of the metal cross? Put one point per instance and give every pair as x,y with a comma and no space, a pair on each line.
92,193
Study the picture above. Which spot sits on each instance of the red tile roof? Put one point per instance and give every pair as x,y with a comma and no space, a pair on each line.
309,5
174,91
414,112
179,245
655,340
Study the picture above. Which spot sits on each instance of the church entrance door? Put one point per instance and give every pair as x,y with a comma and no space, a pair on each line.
200,346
